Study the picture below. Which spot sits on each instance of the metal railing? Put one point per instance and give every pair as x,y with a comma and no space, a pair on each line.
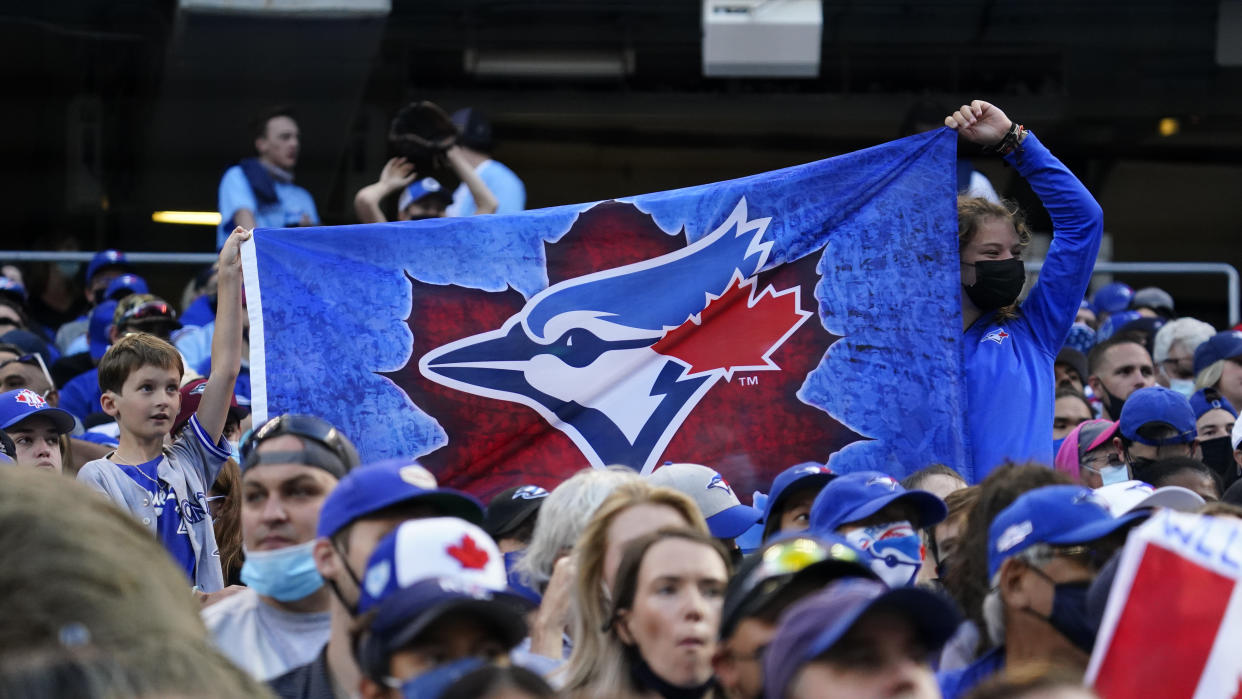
205,258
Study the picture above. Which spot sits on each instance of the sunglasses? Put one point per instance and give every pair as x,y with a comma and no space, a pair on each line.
32,360
785,558
306,426
151,310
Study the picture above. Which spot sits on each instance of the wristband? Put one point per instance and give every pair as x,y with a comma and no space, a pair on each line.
1012,141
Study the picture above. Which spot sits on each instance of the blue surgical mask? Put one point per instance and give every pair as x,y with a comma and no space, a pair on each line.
1114,474
285,574
895,550
235,453
1186,387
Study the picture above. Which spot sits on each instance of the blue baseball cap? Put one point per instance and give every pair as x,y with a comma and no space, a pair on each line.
1112,298
97,329
373,487
726,516
854,496
808,474
813,625
1201,402
13,289
1115,322
1222,345
420,188
1061,515
23,404
1162,405
105,258
125,285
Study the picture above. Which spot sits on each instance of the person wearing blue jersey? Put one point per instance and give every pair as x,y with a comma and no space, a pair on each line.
1009,348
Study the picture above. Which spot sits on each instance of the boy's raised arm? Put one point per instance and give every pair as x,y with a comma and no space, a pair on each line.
227,342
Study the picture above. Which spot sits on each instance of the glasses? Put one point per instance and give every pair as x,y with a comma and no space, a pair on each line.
308,426
1092,556
784,558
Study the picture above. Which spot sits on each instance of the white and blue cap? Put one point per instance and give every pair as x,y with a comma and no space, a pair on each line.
1060,515
1158,405
368,489
726,516
418,189
854,496
1127,496
23,404
105,258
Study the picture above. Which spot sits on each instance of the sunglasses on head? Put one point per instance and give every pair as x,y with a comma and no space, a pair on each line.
151,310
32,360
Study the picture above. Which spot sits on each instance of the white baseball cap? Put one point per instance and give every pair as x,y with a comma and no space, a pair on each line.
1134,495
726,516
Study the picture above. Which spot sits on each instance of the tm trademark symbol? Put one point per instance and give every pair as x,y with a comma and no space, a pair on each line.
748,380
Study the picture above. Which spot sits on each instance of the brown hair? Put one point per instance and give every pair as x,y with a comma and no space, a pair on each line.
591,606
1027,679
131,353
973,212
228,525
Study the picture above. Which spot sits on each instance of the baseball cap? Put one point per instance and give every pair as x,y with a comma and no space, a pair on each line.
1055,514
323,445
1152,297
1081,337
511,507
1136,495
105,258
13,289
1112,298
23,403
768,574
420,188
139,310
1222,345
97,329
125,285
28,343
1206,399
376,486
808,474
1116,322
1075,359
1157,404
191,396
859,495
475,131
726,516
813,625
1082,440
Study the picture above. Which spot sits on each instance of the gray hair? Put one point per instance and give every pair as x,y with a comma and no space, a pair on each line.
563,516
1188,331
1036,556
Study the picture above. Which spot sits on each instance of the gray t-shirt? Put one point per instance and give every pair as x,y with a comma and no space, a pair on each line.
263,640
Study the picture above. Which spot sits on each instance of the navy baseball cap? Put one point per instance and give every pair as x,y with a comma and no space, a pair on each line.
1157,404
22,404
1061,515
125,285
105,258
1222,345
511,507
812,626
854,496
97,329
1206,399
808,474
727,517
368,489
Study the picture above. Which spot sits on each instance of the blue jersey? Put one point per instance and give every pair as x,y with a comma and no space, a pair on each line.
80,395
1010,385
959,682
169,527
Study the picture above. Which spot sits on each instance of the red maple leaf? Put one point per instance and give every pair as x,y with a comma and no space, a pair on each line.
468,553
748,433
737,330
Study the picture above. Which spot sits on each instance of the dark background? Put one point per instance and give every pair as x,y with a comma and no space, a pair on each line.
117,108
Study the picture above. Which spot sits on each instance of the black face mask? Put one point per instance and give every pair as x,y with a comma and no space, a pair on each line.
1112,403
1218,455
997,283
1069,612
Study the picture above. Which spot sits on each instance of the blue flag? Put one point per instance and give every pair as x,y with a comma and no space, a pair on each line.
798,315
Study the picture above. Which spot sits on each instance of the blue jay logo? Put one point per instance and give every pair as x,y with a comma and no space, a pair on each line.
618,359
718,482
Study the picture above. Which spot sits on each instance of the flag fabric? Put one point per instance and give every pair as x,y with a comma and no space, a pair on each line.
1174,612
795,315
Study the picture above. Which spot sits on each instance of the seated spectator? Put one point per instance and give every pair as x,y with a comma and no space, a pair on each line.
476,143
1173,350
1118,367
1089,456
1184,472
937,479
881,519
661,629
1070,368
1137,495
1156,423
35,428
1043,552
434,608
633,509
105,266
783,572
280,621
727,518
1070,410
1214,421
1218,365
367,505
788,508
858,638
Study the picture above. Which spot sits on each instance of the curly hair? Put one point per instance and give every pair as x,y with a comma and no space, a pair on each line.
973,212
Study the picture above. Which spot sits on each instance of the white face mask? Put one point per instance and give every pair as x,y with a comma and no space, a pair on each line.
896,551
1186,387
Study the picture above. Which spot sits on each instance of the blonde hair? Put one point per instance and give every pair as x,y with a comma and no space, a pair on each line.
1210,375
592,662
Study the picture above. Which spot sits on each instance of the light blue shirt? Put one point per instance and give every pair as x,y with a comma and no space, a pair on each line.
506,186
235,193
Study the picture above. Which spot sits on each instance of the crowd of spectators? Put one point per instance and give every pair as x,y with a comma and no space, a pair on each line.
198,554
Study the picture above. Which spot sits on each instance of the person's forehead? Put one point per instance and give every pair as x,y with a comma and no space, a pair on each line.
1216,416
281,124
24,370
1127,354
148,372
1070,404
273,475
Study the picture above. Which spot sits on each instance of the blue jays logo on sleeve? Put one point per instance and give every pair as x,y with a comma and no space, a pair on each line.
998,336
618,359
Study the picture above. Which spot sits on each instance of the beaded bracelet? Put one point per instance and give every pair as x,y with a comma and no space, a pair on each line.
1012,141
